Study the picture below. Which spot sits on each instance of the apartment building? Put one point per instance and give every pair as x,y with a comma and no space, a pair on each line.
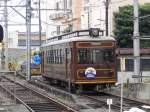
66,16
93,14
84,14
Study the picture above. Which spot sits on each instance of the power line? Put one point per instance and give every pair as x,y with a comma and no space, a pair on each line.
141,17
18,5
131,18
112,3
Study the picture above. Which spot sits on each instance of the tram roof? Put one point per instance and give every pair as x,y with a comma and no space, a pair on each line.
82,35
74,39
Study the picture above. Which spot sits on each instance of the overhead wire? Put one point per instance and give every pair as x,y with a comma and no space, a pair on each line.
13,10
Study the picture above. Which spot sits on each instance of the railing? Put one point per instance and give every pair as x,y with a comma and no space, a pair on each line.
79,33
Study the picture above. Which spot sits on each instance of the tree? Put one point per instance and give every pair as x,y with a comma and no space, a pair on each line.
123,30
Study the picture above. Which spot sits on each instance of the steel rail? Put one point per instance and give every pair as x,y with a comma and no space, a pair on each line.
59,104
102,101
19,100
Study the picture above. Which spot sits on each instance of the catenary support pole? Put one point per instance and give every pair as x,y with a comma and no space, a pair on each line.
6,35
28,28
136,40
40,22
106,16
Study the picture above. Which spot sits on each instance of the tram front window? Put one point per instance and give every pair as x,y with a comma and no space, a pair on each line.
95,56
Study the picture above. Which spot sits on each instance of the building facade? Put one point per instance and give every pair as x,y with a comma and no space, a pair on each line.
71,15
127,54
93,14
18,39
35,39
65,17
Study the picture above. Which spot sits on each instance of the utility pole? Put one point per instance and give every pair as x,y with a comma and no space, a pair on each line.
28,28
106,15
40,21
136,40
6,36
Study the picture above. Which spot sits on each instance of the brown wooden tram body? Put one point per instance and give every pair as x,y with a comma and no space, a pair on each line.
61,61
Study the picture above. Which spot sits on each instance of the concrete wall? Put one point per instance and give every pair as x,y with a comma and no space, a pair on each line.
128,75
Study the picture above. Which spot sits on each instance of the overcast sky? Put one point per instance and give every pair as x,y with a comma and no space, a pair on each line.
17,22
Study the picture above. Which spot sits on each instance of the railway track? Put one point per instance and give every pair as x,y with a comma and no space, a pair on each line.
33,100
99,100
91,102
127,103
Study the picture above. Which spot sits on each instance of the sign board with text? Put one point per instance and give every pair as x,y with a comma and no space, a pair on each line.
122,63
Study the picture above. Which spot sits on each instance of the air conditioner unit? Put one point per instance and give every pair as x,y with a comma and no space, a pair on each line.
52,16
61,15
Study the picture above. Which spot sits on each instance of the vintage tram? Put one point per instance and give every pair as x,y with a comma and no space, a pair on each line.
80,59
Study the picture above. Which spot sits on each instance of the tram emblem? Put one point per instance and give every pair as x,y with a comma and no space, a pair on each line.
90,73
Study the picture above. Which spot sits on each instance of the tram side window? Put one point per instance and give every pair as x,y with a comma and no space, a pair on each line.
54,54
46,54
47,60
50,56
58,56
68,55
61,57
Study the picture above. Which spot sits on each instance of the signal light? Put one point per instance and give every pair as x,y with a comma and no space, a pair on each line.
1,33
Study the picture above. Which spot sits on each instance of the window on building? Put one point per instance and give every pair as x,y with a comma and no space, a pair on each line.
129,64
145,64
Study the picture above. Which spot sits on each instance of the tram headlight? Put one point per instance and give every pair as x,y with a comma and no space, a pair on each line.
94,32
